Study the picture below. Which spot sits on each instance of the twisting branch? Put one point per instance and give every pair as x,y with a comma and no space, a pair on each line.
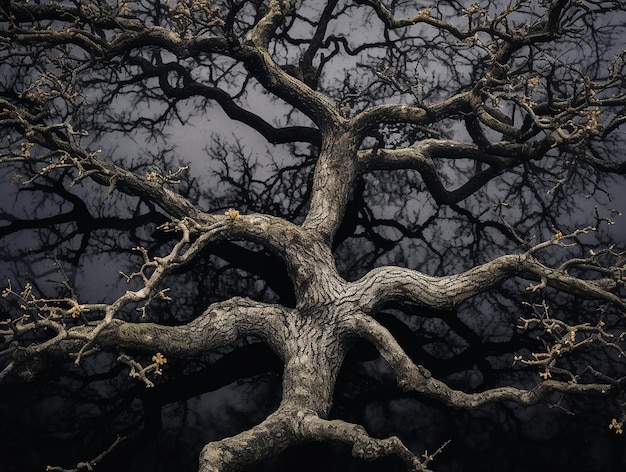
50,313
563,338
411,377
363,445
387,284
490,98
422,157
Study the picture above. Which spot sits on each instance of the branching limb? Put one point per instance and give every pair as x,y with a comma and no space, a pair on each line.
423,16
67,152
183,251
368,120
193,88
561,339
272,436
416,378
221,324
90,465
140,372
422,157
363,445
386,284
289,426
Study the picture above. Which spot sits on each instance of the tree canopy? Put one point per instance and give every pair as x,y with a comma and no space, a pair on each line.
352,200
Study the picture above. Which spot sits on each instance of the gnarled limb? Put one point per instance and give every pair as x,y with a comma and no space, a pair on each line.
363,445
416,378
490,87
423,155
275,434
221,324
387,284
289,426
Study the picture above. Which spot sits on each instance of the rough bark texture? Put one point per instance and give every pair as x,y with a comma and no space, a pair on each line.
330,313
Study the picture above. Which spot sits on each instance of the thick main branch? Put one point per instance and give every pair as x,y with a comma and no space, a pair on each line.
394,284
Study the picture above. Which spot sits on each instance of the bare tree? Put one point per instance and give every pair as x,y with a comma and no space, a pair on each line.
432,179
